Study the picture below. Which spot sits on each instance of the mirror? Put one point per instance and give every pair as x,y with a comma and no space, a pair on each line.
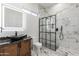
13,19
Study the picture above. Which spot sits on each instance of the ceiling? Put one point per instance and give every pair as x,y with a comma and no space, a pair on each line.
47,5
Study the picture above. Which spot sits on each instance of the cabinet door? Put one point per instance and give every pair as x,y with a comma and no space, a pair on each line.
28,48
1,51
25,48
10,50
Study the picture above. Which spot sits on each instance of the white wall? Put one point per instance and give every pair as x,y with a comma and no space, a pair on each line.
68,17
32,27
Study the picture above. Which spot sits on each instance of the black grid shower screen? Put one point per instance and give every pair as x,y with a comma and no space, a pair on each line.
47,32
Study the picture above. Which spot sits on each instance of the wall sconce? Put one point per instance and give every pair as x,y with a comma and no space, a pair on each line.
29,12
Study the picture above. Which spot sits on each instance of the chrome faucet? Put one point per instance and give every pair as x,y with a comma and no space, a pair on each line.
1,29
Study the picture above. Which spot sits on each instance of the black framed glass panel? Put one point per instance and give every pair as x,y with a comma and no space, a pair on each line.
47,32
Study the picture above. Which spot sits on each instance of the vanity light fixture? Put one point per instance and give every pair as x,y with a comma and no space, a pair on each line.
29,12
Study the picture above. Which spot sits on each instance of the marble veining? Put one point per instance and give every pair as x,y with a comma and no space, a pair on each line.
62,51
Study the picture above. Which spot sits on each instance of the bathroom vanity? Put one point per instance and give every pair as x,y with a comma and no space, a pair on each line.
19,47
14,45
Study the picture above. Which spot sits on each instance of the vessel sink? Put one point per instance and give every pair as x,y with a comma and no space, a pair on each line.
16,38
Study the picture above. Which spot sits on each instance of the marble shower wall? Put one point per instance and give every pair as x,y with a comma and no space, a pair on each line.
67,16
69,19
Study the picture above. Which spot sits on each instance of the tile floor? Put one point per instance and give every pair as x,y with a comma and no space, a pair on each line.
59,52
47,52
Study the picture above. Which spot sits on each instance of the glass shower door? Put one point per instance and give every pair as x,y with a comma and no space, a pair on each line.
47,32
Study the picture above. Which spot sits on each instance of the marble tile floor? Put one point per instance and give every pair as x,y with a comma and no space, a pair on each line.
59,52
47,52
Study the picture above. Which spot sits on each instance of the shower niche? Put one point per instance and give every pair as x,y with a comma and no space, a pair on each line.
47,32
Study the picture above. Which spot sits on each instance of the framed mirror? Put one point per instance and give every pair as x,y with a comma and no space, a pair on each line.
13,19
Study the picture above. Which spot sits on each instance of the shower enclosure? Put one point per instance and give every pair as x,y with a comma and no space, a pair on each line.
47,31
